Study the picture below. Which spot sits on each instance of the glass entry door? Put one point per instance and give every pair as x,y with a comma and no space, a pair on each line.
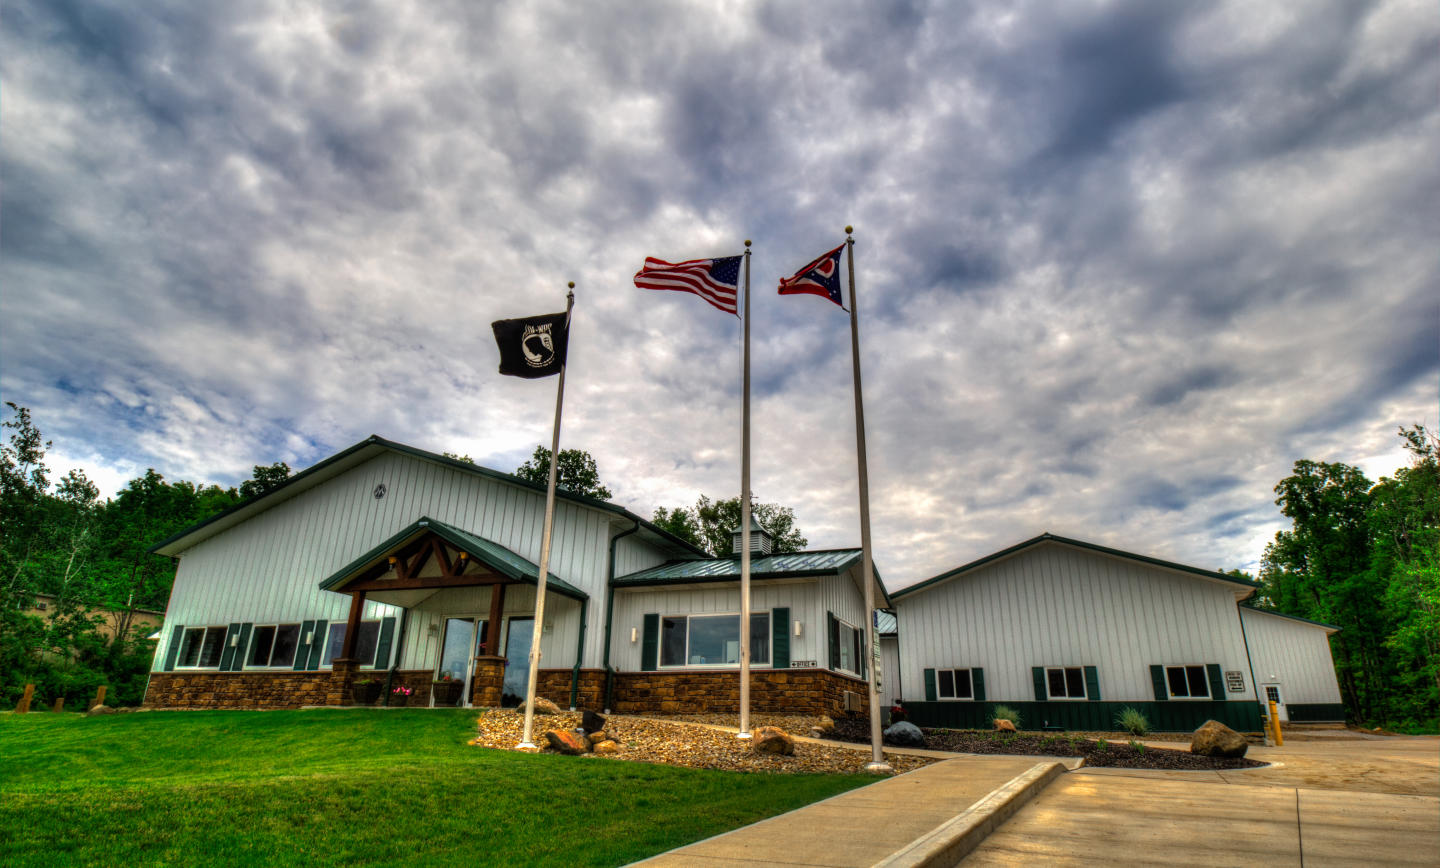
517,661
457,653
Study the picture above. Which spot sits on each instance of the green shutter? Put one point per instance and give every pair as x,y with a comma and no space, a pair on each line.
177,636
227,654
832,630
1038,673
650,644
1157,681
930,693
317,647
242,648
779,638
977,684
1217,681
1092,684
302,648
382,646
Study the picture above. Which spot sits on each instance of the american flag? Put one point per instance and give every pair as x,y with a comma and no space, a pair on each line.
715,280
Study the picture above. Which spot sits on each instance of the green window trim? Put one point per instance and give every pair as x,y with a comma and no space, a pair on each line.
650,643
1217,681
780,638
317,644
1041,691
302,649
382,645
177,636
1157,683
1092,683
931,693
227,653
977,683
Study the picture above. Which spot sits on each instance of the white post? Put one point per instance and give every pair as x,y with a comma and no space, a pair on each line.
526,741
867,567
745,518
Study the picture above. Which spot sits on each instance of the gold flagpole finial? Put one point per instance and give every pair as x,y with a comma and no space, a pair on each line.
747,242
571,284
849,229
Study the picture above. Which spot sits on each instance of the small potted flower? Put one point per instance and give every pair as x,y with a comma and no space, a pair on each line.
446,689
365,691
897,713
400,695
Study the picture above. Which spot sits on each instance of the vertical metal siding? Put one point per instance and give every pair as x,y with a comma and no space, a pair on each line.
1294,655
269,567
1057,605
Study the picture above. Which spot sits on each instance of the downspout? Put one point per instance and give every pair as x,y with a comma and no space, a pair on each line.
610,605
399,650
1254,685
579,652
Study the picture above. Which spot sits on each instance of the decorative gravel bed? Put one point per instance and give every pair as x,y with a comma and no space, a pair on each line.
1097,752
684,744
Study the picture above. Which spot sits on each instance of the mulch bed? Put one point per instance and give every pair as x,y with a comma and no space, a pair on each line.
686,744
1097,752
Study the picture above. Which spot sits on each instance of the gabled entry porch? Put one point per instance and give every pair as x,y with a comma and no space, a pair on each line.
469,612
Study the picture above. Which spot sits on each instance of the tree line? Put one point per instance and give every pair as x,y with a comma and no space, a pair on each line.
1361,555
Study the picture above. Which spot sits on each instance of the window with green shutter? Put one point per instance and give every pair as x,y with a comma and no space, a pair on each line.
780,638
931,693
977,678
171,653
650,643
1038,674
1157,683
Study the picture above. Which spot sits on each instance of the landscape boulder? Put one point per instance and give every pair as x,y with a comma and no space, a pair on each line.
826,725
596,737
1003,725
566,742
542,706
1214,738
607,747
592,722
905,734
771,739
100,709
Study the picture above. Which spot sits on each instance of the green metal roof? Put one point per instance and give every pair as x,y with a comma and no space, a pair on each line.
779,566
1048,537
1249,608
491,554
824,563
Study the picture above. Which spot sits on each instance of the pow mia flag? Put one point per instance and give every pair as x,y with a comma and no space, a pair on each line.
534,346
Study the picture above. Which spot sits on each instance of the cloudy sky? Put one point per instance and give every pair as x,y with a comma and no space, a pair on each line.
1119,264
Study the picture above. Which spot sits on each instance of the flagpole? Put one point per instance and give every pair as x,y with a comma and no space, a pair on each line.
745,519
867,565
544,572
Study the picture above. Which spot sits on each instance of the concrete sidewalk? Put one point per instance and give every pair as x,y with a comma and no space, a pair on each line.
1106,819
863,826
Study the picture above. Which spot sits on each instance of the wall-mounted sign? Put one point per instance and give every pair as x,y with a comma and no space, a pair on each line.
802,664
1235,680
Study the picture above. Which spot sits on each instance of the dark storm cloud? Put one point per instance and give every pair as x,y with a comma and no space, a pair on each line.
1119,264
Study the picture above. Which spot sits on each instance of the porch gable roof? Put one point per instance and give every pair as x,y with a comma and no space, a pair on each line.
493,555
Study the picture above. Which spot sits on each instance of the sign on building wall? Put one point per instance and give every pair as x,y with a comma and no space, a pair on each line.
1235,680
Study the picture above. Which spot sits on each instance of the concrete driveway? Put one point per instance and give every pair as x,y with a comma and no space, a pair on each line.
1354,801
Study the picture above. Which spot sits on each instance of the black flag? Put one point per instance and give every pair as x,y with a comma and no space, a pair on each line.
534,346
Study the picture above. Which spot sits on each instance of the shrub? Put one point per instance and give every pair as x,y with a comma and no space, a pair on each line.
1132,721
1005,712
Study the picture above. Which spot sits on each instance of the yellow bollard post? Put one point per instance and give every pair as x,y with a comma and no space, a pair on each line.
1275,724
99,696
24,705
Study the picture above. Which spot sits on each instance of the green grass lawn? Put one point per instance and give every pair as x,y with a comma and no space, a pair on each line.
347,787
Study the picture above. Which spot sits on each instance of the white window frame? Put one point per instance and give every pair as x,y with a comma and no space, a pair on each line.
271,665
1084,688
205,630
857,646
660,651
1185,667
969,675
326,659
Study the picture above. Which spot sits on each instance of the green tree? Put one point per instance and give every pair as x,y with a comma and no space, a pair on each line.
23,481
576,472
263,478
468,460
711,523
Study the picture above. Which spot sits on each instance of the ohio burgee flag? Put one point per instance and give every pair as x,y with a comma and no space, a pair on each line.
821,277
534,346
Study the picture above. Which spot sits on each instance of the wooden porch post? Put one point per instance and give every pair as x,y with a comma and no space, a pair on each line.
492,630
352,626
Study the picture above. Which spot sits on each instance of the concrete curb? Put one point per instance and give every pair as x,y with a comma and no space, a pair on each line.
953,840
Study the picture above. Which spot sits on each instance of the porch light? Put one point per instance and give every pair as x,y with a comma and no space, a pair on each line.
393,560
634,635
464,556
797,628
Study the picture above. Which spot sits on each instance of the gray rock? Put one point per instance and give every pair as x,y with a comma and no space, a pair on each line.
905,734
